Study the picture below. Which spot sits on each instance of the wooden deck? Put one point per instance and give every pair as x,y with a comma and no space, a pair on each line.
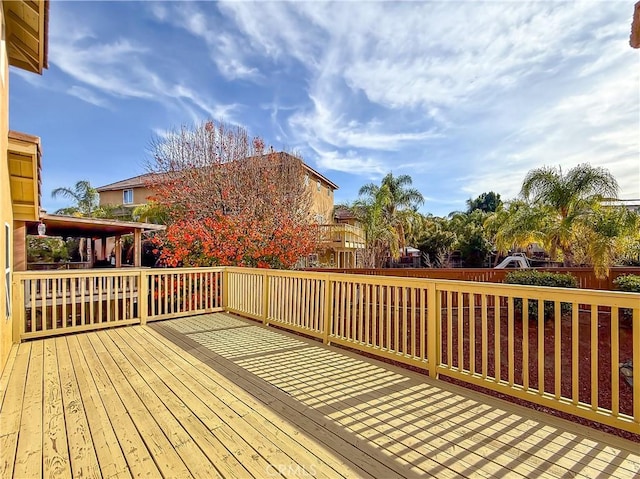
219,396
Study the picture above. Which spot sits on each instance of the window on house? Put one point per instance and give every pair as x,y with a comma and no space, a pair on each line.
127,197
7,268
306,180
318,184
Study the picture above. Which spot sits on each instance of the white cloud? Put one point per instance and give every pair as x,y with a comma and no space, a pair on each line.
520,84
349,162
122,68
87,95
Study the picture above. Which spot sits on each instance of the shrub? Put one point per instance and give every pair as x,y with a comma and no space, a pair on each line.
629,282
541,278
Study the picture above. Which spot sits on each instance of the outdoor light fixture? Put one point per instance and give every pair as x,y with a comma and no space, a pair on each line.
42,229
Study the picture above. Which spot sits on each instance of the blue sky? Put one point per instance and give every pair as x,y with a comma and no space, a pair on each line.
464,96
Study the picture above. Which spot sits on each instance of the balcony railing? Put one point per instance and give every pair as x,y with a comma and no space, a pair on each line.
341,236
560,348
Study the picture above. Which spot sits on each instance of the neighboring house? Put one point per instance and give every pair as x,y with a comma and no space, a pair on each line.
339,239
138,190
23,45
631,204
128,193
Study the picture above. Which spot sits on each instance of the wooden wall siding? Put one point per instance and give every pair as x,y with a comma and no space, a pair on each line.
585,276
557,347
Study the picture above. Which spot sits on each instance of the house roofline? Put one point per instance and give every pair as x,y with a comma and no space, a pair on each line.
118,185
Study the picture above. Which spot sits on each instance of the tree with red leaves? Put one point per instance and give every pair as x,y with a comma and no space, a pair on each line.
228,201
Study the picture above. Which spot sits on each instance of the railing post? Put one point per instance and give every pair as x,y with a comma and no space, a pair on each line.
265,298
17,308
225,289
635,322
433,315
143,297
328,293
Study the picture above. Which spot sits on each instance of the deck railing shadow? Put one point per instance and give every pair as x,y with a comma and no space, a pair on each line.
423,426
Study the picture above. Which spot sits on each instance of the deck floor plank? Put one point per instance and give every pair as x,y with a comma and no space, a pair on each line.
55,455
193,419
378,466
215,395
187,448
4,377
254,454
15,380
249,420
405,454
138,457
164,455
29,451
317,431
108,450
82,453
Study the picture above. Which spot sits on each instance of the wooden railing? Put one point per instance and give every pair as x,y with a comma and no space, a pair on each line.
585,276
560,348
58,302
341,236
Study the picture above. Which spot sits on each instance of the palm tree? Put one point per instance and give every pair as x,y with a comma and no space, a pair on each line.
83,194
568,200
151,212
605,234
397,198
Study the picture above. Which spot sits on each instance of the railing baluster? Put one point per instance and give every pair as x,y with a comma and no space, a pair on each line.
449,330
615,358
525,344
485,337
497,373
510,341
460,323
575,346
541,352
472,333
594,357
557,349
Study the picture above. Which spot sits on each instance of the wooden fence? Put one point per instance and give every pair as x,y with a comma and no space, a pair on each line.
557,347
585,276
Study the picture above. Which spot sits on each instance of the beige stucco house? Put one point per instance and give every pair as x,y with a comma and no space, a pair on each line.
339,239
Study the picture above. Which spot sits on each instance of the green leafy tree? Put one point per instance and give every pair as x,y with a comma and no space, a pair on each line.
471,238
486,202
436,242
